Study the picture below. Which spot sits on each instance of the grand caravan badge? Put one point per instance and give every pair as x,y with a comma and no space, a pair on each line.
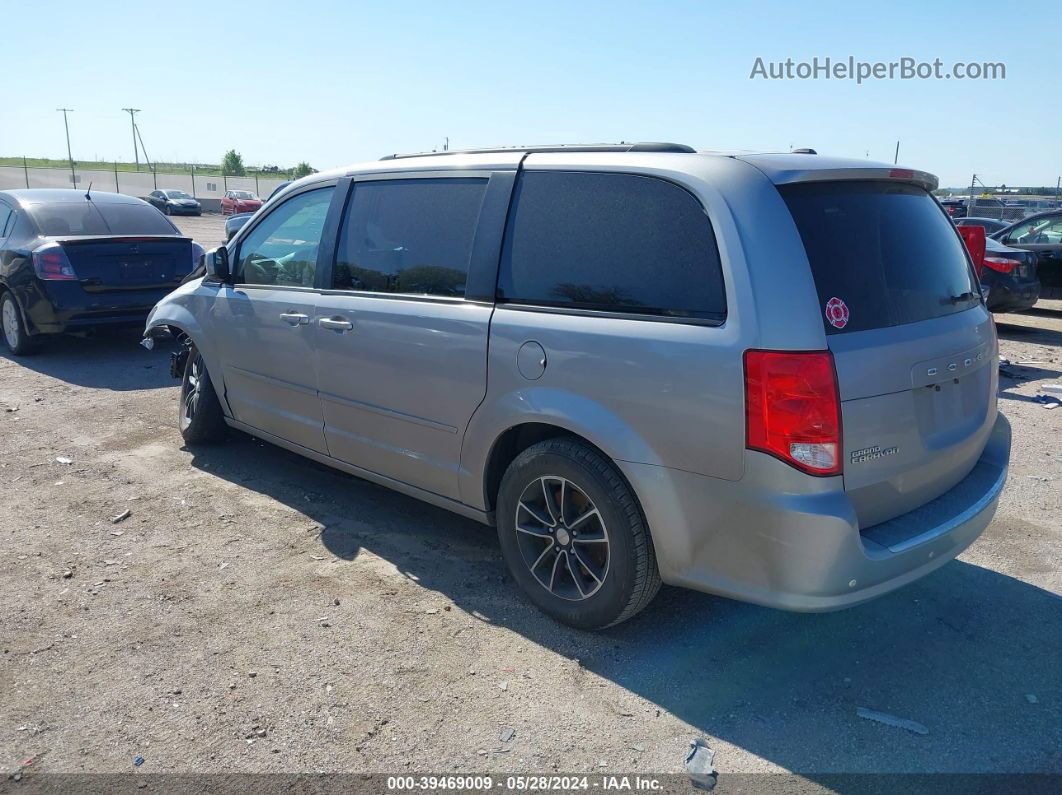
871,453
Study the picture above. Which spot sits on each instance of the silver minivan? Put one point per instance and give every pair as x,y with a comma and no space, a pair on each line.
770,377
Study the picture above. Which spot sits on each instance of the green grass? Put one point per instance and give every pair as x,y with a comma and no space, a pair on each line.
162,168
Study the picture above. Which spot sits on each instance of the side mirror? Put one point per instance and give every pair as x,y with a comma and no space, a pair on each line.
217,265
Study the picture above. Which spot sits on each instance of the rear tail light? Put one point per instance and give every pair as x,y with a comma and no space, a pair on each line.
50,262
793,409
1001,264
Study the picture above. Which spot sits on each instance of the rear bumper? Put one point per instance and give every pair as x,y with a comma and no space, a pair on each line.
56,307
797,544
1007,294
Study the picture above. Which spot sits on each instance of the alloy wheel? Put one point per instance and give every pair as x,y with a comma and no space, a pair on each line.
562,538
193,388
11,325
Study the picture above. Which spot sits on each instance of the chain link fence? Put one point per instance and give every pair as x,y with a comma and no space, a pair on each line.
209,190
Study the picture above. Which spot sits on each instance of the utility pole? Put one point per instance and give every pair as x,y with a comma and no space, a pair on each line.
132,121
69,156
147,160
896,157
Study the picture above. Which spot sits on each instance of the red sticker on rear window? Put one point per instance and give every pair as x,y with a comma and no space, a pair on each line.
837,312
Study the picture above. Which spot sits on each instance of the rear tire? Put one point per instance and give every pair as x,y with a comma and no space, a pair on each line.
17,338
583,554
200,417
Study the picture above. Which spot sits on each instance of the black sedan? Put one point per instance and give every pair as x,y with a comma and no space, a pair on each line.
1042,235
990,225
73,260
1008,276
174,202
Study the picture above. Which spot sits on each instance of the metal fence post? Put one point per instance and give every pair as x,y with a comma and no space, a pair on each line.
256,191
225,180
25,168
117,187
193,182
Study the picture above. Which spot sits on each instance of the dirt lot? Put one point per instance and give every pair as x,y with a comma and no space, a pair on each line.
257,612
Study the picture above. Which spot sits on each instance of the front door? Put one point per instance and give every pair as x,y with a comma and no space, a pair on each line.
265,322
401,337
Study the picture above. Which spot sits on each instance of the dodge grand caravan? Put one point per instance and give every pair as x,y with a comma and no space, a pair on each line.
770,377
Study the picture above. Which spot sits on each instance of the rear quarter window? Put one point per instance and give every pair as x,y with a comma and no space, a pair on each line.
611,242
883,249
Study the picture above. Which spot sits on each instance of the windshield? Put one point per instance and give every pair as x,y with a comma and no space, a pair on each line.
883,251
176,194
243,194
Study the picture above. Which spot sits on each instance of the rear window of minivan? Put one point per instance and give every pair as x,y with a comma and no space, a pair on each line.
882,254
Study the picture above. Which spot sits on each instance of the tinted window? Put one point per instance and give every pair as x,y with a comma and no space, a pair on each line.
134,219
885,250
69,218
282,249
175,194
409,236
100,218
5,216
614,242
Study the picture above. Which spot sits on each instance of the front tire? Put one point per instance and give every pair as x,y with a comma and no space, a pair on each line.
573,535
200,417
17,338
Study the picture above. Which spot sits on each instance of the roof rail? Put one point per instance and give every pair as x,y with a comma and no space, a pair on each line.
649,146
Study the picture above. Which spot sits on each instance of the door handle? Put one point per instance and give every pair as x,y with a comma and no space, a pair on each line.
295,318
335,325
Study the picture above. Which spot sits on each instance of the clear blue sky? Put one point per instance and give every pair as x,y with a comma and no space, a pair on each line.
339,82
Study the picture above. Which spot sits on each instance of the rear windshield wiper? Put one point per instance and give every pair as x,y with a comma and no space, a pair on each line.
961,297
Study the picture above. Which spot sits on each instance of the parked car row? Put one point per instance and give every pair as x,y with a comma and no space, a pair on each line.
1023,262
1006,210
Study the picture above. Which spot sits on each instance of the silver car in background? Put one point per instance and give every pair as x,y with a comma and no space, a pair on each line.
770,377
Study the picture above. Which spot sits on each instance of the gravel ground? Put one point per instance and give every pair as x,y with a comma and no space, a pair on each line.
257,612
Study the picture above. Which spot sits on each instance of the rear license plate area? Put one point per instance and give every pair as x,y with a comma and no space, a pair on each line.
135,271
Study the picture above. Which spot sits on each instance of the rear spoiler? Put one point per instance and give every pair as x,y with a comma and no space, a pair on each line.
921,178
64,239
783,169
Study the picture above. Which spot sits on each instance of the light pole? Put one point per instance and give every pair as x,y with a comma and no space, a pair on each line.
132,121
69,156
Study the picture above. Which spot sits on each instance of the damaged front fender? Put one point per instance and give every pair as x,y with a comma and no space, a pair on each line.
185,315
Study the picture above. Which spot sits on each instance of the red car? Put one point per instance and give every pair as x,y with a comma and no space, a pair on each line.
239,201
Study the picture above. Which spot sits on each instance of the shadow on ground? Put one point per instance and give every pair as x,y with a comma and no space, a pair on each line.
1019,333
111,359
958,651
